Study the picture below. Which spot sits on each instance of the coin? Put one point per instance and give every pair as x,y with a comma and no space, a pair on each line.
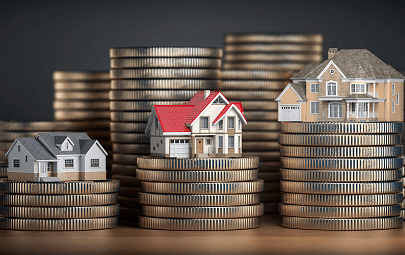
196,176
140,105
166,52
59,200
198,200
127,181
270,207
258,105
141,138
210,63
261,115
273,66
340,188
342,152
131,148
71,212
260,146
198,224
125,159
338,139
269,176
127,127
273,47
339,212
130,117
85,86
270,196
179,95
73,187
161,73
342,200
82,105
203,212
271,186
229,84
204,187
263,126
81,115
58,224
81,75
284,38
124,169
41,126
129,202
81,95
129,214
270,57
341,163
254,75
263,155
340,175
342,224
11,136
249,94
342,127
129,191
3,171
192,84
198,163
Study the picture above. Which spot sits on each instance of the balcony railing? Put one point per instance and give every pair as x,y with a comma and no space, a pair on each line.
363,114
373,94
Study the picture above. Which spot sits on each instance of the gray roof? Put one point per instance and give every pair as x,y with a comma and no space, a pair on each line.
300,88
359,96
49,139
60,139
354,63
85,145
36,148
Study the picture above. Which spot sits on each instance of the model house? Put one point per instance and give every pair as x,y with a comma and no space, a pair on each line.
56,157
351,85
207,126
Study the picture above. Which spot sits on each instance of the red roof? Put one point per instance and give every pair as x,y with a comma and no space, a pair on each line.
200,104
172,118
227,107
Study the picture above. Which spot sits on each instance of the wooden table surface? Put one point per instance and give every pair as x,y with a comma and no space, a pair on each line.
270,238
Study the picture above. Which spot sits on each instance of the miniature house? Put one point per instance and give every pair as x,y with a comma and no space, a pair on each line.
56,157
207,126
351,85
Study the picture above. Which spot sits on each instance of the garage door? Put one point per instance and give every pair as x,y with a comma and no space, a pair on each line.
289,113
180,148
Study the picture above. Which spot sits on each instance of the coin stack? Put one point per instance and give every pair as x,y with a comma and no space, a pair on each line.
256,68
83,96
3,172
403,190
59,206
140,78
341,176
199,194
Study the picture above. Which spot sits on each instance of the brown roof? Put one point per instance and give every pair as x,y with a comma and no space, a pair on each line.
300,88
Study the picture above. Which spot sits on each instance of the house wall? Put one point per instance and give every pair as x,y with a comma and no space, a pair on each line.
93,173
26,170
68,173
399,109
158,146
306,107
211,112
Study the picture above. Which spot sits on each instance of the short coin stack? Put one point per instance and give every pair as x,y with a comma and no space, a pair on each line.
140,78
256,68
59,206
341,176
199,194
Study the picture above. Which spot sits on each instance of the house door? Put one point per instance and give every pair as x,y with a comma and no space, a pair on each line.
45,169
200,146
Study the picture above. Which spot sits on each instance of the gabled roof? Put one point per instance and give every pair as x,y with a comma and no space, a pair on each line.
200,104
298,88
173,118
49,140
235,105
353,63
60,139
34,147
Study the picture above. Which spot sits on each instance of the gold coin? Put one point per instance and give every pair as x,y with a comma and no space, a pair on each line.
81,75
271,66
130,117
81,115
196,176
271,186
342,152
269,196
11,136
162,73
81,105
140,105
131,148
204,187
125,159
242,163
269,176
263,155
123,169
210,63
127,181
341,163
249,94
340,188
58,200
281,38
71,187
82,95
198,200
70,212
261,115
58,224
263,126
340,175
342,200
41,126
198,224
127,127
189,84
269,166
85,86
342,127
179,95
254,75
166,52
260,146
228,84
250,105
129,191
3,171
270,57
339,212
342,224
203,212
273,47
339,140
140,138
129,202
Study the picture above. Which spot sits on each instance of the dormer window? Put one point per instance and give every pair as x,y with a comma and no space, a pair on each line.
331,88
332,71
219,100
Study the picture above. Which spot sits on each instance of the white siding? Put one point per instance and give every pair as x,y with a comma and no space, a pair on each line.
61,164
25,167
94,153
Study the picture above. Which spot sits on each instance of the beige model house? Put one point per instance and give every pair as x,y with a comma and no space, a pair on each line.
207,126
352,85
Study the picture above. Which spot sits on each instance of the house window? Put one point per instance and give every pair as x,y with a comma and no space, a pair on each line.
239,144
18,148
48,167
95,162
393,106
68,163
231,142
26,158
353,107
393,89
314,88
208,141
221,124
220,142
332,71
314,107
231,122
156,123
335,110
331,88
358,88
397,98
219,100
240,124
16,163
204,122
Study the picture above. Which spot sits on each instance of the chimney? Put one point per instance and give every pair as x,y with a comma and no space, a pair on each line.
332,52
206,93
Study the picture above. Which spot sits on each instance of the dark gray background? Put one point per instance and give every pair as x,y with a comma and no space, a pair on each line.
38,37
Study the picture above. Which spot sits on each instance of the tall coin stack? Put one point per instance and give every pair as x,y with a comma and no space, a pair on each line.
140,78
199,193
83,97
341,176
59,206
256,68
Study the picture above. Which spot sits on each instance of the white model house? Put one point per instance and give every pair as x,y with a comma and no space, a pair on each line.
207,126
56,157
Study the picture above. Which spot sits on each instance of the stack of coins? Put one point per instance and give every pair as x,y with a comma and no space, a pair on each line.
3,172
341,176
140,78
403,190
403,133
256,68
199,194
83,96
59,206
